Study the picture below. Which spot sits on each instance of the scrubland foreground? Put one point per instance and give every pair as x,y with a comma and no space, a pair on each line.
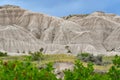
39,66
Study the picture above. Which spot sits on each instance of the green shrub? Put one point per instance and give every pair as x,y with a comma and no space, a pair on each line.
3,54
37,56
86,57
41,49
116,61
79,72
25,70
114,71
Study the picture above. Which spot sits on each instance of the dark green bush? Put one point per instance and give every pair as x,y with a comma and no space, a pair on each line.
3,54
86,57
36,56
41,49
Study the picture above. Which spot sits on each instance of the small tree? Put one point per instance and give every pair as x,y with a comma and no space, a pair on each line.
79,72
37,56
114,71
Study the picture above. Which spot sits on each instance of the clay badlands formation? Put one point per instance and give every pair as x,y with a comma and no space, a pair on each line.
23,30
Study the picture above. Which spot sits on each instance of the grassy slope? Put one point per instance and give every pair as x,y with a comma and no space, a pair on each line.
60,58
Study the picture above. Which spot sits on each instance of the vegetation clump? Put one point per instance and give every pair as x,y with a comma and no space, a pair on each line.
3,54
81,72
114,71
77,15
68,50
86,57
26,70
36,56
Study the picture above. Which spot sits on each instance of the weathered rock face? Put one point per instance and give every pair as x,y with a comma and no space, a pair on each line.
16,39
100,29
113,41
104,29
22,30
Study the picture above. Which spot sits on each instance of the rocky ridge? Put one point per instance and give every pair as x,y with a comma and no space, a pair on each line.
23,30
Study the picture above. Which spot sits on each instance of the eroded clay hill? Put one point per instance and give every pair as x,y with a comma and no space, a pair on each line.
23,30
104,28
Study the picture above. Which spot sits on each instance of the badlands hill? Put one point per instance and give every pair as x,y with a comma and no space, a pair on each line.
23,30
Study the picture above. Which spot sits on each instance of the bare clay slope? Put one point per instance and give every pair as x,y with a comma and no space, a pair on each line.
16,39
104,29
23,30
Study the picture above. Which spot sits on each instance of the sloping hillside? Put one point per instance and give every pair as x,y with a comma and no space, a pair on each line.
23,30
